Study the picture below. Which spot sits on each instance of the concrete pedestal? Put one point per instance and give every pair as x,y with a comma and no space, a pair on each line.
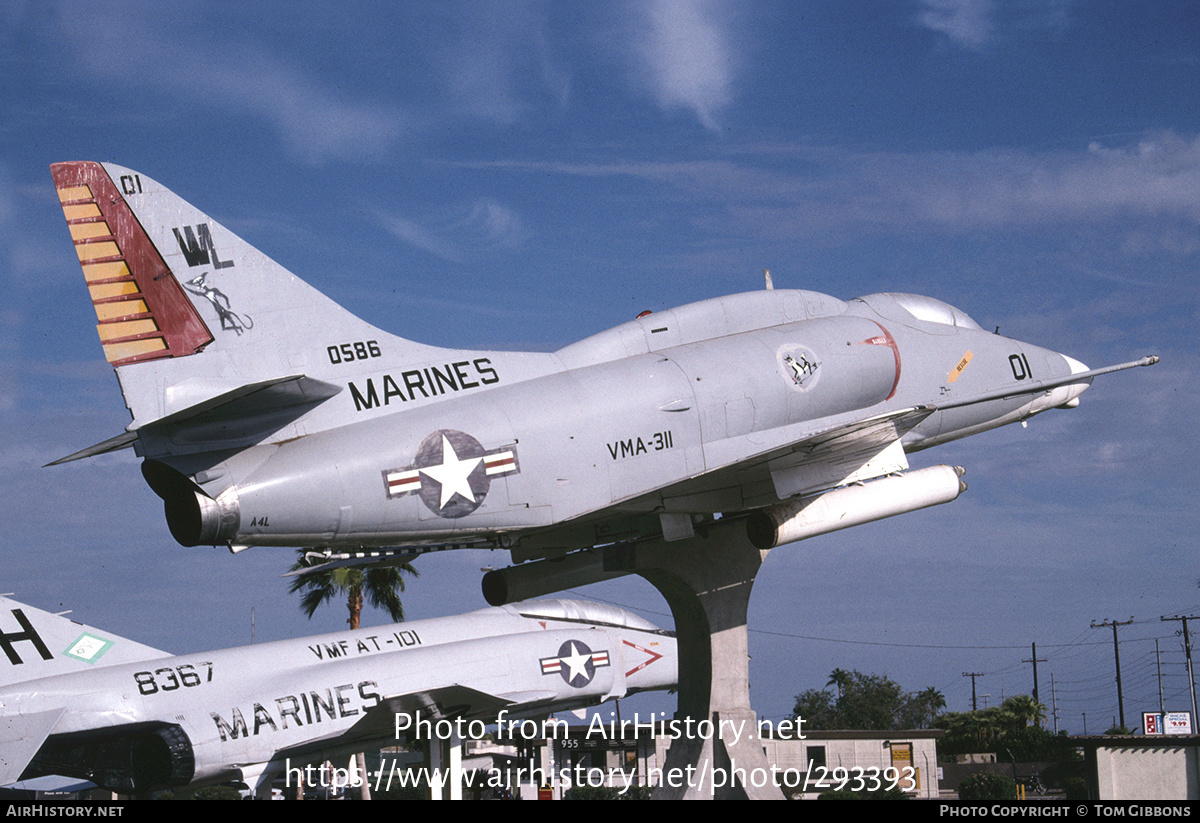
706,580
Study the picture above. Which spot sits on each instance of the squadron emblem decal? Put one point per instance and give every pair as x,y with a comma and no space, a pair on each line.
198,249
799,365
576,663
451,472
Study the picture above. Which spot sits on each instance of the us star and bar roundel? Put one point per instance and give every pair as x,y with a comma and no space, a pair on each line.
452,472
576,663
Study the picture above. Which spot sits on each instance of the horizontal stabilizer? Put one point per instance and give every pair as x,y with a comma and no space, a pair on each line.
249,400
21,735
112,444
267,400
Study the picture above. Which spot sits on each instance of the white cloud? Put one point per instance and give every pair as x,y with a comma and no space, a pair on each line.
416,235
124,45
686,52
497,60
967,23
496,224
482,226
1156,177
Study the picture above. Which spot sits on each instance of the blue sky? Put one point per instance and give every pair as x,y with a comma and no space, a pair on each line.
519,175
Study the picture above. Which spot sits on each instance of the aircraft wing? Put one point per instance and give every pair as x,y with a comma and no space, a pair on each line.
21,735
806,461
433,704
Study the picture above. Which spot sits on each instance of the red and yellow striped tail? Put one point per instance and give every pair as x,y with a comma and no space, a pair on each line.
142,312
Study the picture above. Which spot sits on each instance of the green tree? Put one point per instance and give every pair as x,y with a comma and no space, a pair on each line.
840,678
920,712
817,708
380,586
1004,729
865,701
871,701
932,699
1020,710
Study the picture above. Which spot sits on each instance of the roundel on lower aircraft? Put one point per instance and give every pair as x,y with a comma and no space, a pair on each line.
575,662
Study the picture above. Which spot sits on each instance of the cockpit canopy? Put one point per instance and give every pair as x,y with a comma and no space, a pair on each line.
907,307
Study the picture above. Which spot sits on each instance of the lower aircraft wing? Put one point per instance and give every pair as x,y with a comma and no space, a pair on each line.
21,736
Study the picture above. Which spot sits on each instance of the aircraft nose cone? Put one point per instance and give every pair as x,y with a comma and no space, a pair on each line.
1073,391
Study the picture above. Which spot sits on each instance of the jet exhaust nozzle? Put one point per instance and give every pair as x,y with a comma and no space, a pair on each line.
853,506
194,518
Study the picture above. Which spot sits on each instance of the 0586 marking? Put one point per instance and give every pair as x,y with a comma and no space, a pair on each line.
349,352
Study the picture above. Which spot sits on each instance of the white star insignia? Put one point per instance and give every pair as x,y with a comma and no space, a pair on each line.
452,474
577,663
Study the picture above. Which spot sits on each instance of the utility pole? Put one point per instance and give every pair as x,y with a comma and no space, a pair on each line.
1054,701
1117,655
1035,660
974,701
1187,648
1162,709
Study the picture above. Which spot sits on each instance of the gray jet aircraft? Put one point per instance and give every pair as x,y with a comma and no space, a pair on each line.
267,415
80,702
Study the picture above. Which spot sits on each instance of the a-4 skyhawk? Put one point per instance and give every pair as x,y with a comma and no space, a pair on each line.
267,415
81,702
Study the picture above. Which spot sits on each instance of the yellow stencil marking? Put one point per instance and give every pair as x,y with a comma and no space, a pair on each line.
958,369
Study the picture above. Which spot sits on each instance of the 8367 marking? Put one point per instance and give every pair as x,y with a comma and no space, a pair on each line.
169,679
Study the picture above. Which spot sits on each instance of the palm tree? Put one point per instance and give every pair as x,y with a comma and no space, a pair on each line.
933,700
840,678
379,586
1021,709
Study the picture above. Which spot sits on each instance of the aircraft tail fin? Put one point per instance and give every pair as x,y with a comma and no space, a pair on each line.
38,644
186,310
142,311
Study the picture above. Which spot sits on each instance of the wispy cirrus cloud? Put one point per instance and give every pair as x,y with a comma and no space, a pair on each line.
483,224
967,23
976,25
132,49
686,57
496,62
1156,176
